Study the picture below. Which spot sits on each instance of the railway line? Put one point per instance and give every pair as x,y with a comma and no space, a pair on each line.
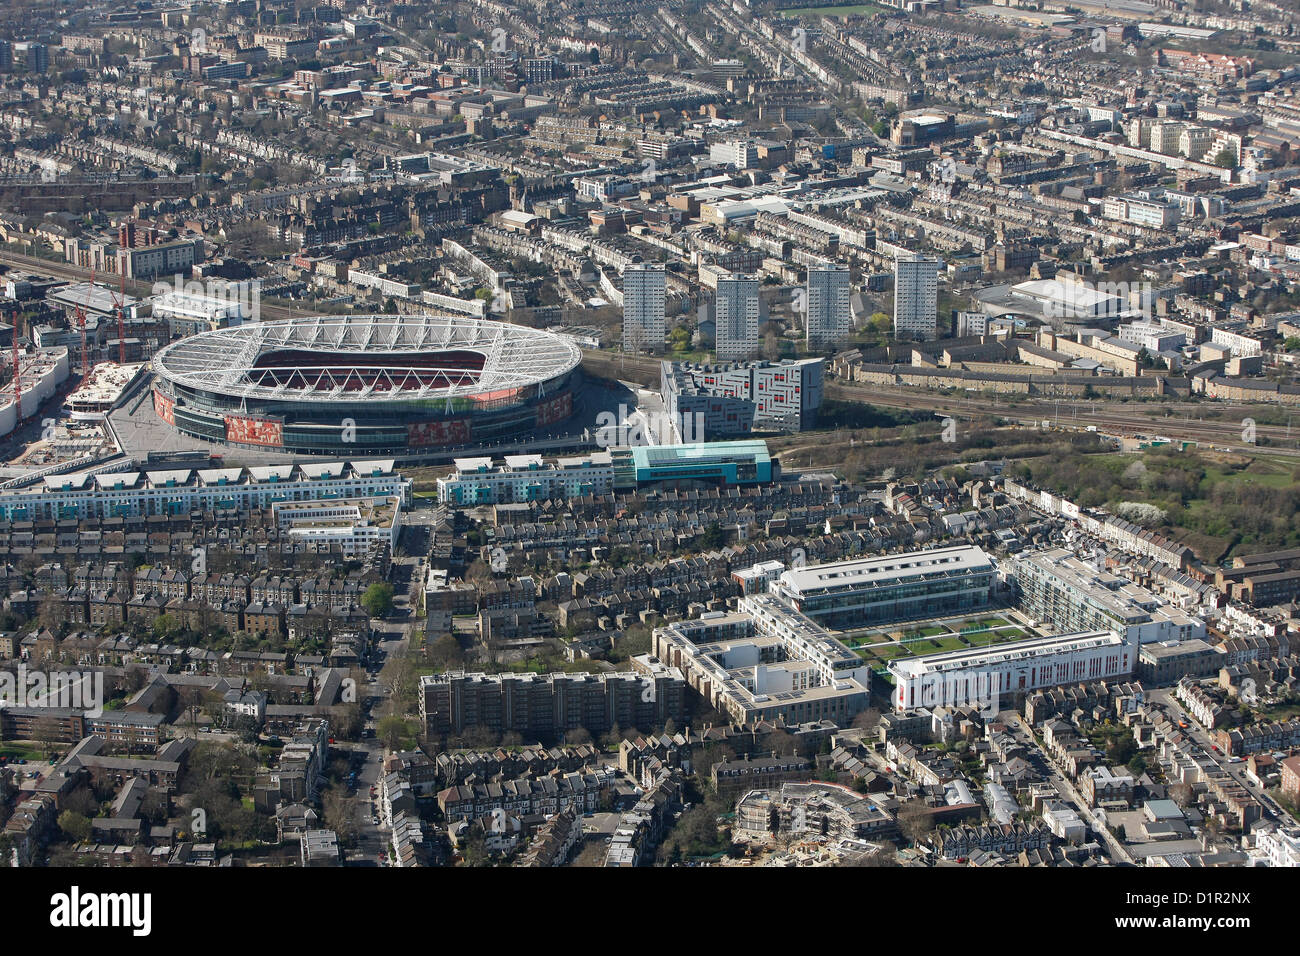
136,287
1174,420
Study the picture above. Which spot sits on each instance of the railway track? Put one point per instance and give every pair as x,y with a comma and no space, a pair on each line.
136,287
1173,420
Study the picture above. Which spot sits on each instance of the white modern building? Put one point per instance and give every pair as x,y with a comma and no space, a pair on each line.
1280,847
188,312
644,287
990,677
736,317
740,153
829,318
1141,209
478,481
39,377
355,525
181,490
1059,587
916,297
1152,337
766,662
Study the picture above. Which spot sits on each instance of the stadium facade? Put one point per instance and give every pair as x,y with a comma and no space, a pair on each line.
366,384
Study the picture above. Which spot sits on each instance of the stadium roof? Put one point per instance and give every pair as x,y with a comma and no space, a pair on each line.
226,360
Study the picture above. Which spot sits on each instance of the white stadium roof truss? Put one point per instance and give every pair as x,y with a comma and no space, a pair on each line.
224,361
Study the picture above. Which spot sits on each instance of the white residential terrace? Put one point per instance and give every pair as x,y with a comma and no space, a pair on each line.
526,478
181,490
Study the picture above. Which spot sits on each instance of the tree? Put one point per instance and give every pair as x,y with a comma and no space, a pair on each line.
392,730
48,733
915,821
340,812
75,826
1226,158
577,737
781,743
378,599
52,614
445,653
167,627
867,720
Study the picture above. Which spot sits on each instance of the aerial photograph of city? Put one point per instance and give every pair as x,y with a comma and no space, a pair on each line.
709,434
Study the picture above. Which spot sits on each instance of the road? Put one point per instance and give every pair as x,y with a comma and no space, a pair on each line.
1067,789
1204,740
389,637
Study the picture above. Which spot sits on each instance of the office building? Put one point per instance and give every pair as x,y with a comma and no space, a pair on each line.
724,463
643,307
829,318
916,297
890,587
739,153
38,58
736,317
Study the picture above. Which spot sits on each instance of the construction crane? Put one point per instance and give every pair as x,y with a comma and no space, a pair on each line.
81,321
120,302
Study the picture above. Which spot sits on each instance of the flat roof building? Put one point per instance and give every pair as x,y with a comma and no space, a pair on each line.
990,677
728,463
1057,586
520,478
767,662
890,587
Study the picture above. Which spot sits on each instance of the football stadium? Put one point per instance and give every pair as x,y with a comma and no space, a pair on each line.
361,384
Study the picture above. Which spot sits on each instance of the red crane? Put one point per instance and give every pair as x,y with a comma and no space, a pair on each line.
81,321
121,326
